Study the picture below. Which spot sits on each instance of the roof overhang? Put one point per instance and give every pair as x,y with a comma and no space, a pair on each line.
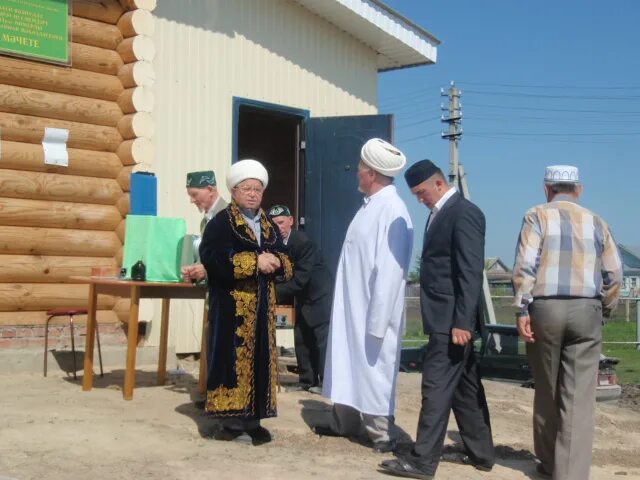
399,42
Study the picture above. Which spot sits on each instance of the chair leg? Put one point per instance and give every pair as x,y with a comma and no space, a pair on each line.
46,343
73,347
99,351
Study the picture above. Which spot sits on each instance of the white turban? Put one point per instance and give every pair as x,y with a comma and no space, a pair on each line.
244,169
383,157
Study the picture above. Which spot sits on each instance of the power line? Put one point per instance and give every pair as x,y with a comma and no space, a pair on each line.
572,87
563,134
407,140
549,140
547,120
401,125
506,107
564,97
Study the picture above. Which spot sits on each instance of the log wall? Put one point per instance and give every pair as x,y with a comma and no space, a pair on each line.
57,222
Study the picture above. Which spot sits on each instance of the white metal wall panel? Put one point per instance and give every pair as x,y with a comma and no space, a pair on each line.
209,51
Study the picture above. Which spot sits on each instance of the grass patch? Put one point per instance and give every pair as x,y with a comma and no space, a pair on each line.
615,330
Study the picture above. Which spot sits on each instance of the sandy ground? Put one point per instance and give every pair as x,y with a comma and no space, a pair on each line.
51,429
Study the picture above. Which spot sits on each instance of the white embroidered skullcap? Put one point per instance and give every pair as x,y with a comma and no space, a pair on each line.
561,174
383,157
244,169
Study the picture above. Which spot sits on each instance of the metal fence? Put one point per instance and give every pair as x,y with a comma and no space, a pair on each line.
628,310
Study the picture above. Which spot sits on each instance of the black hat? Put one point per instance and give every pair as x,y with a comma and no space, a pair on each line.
419,172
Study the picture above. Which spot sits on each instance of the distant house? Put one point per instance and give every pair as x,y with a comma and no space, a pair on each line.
498,276
630,270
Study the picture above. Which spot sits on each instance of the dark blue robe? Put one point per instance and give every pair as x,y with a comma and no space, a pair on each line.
243,369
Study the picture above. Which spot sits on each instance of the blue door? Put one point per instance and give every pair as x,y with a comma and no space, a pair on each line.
331,196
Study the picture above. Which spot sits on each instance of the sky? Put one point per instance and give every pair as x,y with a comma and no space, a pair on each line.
545,82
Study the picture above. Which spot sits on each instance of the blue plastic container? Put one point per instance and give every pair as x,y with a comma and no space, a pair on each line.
144,194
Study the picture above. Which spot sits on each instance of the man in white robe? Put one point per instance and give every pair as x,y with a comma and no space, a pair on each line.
363,352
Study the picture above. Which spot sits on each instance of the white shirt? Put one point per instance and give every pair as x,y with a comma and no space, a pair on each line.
439,204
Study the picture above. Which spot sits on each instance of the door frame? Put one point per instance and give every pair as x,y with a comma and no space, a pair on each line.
238,102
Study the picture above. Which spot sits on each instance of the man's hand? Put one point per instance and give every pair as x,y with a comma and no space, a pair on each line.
268,263
193,273
460,337
524,329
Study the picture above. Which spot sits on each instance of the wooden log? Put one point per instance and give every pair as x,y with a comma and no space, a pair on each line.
124,179
119,256
25,128
52,78
40,317
20,212
136,22
124,204
94,59
135,4
27,101
95,34
137,74
40,296
138,99
62,188
138,48
120,230
121,309
58,241
138,150
108,11
86,163
133,125
48,268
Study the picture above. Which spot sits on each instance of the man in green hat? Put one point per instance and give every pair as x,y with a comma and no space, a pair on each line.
203,192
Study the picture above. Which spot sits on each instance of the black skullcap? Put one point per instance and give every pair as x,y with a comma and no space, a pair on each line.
419,172
279,210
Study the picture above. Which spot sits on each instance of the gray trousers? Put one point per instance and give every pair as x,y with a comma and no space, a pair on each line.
564,361
349,422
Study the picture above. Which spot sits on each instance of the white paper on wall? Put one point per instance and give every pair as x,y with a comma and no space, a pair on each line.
54,144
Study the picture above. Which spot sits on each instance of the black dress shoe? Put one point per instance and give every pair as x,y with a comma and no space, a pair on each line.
401,467
228,435
260,435
466,460
540,470
384,447
325,431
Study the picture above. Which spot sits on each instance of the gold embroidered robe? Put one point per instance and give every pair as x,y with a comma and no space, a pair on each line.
242,377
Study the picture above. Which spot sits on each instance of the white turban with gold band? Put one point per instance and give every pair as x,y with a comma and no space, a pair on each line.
383,157
245,169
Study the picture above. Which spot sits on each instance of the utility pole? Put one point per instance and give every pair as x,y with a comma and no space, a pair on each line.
457,176
454,120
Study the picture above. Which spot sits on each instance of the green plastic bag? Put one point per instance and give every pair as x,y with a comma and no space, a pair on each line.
157,241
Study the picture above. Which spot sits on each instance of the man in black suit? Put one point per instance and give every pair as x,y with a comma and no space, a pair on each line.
312,287
451,272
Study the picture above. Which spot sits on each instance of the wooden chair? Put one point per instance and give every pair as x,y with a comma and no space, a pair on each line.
70,312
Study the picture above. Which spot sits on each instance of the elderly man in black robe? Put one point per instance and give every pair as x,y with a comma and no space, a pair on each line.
243,253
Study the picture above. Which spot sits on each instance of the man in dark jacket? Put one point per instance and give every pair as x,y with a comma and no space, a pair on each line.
311,287
450,297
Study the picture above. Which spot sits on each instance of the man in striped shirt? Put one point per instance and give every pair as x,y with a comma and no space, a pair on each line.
566,278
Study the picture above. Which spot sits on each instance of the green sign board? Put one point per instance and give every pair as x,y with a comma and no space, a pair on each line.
36,29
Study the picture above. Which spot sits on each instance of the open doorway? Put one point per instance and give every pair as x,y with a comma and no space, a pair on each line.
272,134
